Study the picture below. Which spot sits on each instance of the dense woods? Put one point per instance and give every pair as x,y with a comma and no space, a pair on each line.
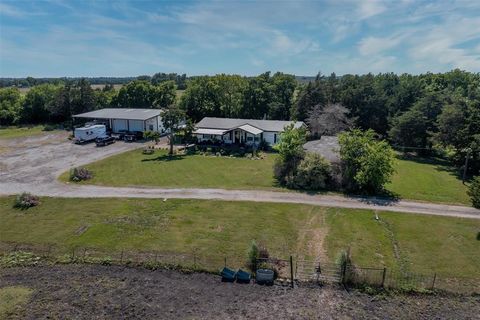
427,113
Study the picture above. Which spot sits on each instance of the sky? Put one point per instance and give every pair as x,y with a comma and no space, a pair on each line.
59,38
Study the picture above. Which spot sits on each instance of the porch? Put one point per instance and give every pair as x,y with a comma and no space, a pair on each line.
242,135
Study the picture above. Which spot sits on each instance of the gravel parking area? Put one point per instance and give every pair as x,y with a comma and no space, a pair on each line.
40,159
112,292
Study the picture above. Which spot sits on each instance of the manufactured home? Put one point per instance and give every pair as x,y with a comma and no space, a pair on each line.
123,119
241,131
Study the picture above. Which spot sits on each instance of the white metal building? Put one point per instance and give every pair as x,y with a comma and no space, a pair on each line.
241,131
120,119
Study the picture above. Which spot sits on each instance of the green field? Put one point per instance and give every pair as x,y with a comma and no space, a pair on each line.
217,229
414,179
135,168
19,132
12,299
428,180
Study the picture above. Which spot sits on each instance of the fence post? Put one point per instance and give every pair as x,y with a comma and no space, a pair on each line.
433,281
194,261
291,271
73,253
383,276
225,260
121,257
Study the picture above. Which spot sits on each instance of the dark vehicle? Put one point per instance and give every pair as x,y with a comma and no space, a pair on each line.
121,134
103,141
133,136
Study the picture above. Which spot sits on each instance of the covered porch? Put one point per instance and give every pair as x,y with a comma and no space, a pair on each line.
242,135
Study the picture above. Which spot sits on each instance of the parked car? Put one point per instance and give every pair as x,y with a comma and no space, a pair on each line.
105,140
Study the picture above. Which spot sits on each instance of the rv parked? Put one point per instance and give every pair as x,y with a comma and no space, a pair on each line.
89,133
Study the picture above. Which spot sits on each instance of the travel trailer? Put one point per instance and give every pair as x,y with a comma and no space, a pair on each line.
89,133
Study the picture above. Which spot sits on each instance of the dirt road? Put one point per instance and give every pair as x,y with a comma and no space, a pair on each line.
112,292
33,164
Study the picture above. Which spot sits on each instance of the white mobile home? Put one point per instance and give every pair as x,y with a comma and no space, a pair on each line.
241,131
122,119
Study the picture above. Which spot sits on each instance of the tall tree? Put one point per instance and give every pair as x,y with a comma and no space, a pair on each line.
328,120
172,119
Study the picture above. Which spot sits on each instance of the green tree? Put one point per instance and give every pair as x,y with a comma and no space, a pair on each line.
165,94
474,192
38,102
368,163
409,130
290,149
313,172
172,119
136,94
10,105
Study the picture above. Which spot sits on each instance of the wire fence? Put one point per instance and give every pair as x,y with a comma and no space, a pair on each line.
293,270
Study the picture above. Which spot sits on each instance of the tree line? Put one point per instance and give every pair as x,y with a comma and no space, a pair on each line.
426,113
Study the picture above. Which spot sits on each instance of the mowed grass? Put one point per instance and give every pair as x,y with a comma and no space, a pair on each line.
218,229
406,242
13,299
428,180
19,132
190,171
415,179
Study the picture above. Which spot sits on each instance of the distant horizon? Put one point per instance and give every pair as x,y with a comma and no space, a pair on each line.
92,38
242,75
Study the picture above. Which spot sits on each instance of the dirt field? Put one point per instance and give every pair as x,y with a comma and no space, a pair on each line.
108,292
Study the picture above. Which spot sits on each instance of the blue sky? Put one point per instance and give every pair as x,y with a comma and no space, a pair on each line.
129,38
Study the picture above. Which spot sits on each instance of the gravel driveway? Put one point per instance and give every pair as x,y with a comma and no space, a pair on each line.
38,160
33,164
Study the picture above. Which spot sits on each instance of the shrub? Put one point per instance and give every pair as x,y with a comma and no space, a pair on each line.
253,255
313,173
25,201
368,163
80,174
50,127
474,192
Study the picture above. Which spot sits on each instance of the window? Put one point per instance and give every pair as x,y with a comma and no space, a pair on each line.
274,138
150,127
257,138
249,138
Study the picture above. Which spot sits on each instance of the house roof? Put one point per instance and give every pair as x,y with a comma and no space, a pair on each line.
231,123
120,113
250,129
216,132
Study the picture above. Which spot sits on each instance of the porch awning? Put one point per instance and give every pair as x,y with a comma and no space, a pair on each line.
250,129
216,132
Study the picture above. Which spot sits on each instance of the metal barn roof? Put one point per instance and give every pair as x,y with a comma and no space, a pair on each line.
121,113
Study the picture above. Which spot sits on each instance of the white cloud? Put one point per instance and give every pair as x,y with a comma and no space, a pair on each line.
372,45
370,8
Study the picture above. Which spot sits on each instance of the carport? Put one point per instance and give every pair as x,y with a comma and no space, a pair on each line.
120,119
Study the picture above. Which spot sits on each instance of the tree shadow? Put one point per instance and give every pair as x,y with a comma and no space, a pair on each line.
384,198
165,158
441,165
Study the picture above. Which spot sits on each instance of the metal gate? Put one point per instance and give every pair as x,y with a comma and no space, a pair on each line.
316,271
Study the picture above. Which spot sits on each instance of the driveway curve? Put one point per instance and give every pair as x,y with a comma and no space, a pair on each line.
33,165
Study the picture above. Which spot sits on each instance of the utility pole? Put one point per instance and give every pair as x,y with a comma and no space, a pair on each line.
468,150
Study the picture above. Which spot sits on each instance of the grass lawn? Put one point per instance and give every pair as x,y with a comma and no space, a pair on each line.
428,180
19,132
423,244
12,299
135,168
